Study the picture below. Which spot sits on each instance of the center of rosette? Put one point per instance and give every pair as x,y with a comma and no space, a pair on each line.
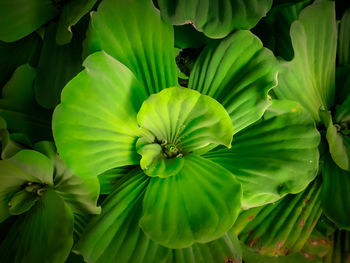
175,123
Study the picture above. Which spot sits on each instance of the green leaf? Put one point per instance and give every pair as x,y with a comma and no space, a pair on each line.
70,15
335,193
188,37
133,33
284,227
238,72
95,126
80,194
19,109
14,54
177,122
342,83
110,178
57,65
44,234
338,142
310,77
216,19
199,204
21,202
341,247
19,18
344,39
275,156
116,236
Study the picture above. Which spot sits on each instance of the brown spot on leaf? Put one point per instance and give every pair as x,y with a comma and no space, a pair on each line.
286,251
307,199
251,217
279,245
250,232
189,22
302,222
230,260
313,242
260,247
254,240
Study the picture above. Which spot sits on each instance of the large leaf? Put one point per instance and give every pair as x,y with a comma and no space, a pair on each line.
116,237
238,72
80,194
284,227
44,234
95,125
215,19
275,156
19,109
335,193
310,77
177,122
344,39
71,13
57,65
133,33
19,18
14,54
199,204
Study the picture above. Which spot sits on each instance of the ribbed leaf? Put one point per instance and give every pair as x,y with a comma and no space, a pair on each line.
309,77
177,122
344,39
44,234
199,204
273,157
116,237
80,194
335,193
95,125
340,252
19,109
71,13
133,33
216,19
238,72
57,65
19,18
14,54
342,84
284,227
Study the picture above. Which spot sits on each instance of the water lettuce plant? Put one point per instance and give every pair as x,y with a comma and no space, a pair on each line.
162,131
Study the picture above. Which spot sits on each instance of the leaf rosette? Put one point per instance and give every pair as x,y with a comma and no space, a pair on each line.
127,109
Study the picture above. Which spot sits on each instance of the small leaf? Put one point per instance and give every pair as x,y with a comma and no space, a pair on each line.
70,15
238,72
19,18
273,157
199,204
21,202
146,47
216,19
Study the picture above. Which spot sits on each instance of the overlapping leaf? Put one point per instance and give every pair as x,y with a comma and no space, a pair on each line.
275,156
215,19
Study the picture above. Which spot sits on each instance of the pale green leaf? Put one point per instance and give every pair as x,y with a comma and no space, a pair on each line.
310,77
133,33
275,156
238,72
216,19
95,126
199,204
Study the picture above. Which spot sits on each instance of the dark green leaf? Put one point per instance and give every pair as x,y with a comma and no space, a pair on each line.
344,39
